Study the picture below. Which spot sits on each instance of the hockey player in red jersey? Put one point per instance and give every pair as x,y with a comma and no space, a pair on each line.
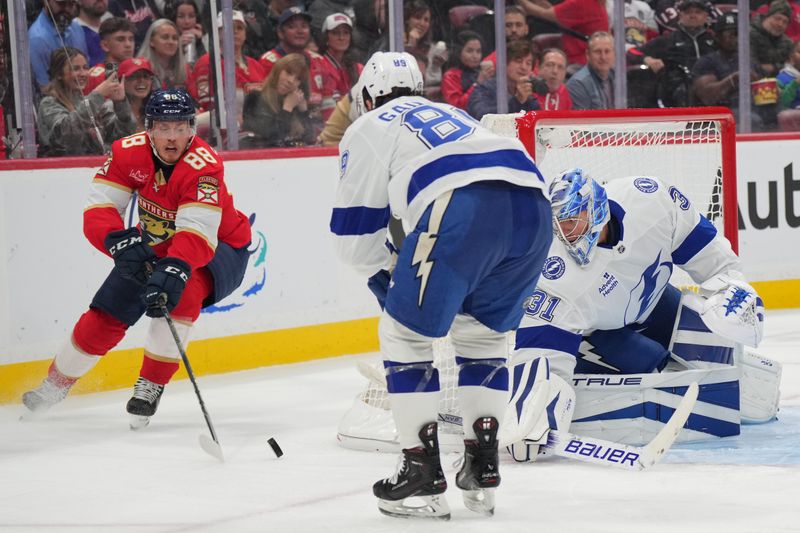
190,245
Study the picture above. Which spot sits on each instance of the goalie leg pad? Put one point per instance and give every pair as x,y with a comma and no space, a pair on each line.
759,386
540,401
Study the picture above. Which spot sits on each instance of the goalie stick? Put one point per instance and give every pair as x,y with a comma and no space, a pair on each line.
599,451
594,450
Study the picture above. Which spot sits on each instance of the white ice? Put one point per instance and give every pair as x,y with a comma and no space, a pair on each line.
79,468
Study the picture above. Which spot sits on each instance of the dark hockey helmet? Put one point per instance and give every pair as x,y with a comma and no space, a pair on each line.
169,105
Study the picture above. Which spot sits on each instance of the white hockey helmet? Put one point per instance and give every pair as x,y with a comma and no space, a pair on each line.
386,71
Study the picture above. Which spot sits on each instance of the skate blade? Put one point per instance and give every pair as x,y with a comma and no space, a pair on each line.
480,501
210,447
138,422
431,507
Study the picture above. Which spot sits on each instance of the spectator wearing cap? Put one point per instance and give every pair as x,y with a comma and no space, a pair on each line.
716,75
248,71
136,74
341,68
294,36
789,80
262,24
116,40
320,10
44,37
793,28
769,45
674,54
580,16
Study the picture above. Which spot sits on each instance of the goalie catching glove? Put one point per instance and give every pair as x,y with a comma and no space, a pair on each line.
732,308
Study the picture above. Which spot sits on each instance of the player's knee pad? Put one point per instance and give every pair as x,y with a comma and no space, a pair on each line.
693,344
160,343
759,385
96,332
540,401
407,358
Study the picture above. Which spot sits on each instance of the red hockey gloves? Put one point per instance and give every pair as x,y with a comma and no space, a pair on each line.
169,278
131,253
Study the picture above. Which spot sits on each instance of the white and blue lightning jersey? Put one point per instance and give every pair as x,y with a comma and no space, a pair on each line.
659,229
399,158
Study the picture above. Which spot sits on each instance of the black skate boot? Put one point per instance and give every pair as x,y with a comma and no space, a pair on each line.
419,474
52,390
144,403
479,475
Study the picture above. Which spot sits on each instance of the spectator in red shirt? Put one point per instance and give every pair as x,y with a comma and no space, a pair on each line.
249,72
116,39
553,70
294,36
583,16
341,67
469,71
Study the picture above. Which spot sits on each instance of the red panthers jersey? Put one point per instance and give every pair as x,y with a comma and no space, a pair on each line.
184,216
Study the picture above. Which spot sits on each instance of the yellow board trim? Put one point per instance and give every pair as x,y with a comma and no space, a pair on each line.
120,368
779,294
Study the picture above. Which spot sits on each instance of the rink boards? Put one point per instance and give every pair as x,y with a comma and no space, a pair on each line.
297,302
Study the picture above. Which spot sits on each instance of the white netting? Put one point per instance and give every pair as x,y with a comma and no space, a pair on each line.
686,153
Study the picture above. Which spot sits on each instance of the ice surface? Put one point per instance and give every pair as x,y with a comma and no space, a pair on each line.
79,468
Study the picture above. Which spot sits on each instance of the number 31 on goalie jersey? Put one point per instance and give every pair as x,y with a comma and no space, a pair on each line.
435,126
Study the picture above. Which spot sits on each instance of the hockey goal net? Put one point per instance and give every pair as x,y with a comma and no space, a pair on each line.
692,149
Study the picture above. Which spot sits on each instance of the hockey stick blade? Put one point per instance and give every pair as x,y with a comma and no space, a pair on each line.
210,447
599,451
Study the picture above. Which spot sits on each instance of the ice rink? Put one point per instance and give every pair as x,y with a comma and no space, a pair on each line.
79,468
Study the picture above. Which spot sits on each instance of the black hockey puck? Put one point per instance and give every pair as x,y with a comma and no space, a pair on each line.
275,448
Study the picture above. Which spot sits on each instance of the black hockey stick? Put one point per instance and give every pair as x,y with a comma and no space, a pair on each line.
212,447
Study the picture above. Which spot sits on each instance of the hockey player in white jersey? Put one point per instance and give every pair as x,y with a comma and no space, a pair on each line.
604,305
478,229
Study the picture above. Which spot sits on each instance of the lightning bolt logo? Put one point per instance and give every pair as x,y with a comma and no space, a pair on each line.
427,239
587,354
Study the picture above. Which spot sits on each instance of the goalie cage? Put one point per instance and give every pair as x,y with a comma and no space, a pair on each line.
691,148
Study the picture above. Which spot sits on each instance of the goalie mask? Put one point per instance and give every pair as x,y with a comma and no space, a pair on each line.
580,210
384,73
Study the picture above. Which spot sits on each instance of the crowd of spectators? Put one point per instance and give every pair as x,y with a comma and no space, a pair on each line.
95,62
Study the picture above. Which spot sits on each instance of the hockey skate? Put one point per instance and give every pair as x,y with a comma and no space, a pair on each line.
144,402
480,476
52,390
419,476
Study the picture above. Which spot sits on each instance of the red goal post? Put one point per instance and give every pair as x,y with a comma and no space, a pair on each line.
691,148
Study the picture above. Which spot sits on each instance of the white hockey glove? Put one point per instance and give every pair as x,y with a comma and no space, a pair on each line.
732,309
